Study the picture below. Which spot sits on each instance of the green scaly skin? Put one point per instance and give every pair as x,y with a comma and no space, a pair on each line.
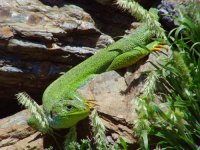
123,53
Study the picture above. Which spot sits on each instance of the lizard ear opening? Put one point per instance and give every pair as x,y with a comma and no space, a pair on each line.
53,114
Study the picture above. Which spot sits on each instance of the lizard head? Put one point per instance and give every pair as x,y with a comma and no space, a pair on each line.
67,113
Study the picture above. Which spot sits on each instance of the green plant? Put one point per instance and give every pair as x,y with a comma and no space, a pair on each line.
174,121
142,14
98,130
37,112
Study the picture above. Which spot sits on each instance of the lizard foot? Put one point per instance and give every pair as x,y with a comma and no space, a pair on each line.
160,47
90,103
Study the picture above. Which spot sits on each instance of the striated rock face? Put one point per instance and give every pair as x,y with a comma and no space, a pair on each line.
167,14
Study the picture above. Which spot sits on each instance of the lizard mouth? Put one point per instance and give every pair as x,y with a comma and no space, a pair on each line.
54,114
67,109
70,108
58,121
67,112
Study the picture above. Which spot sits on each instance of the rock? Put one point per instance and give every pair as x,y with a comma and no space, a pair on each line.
167,13
16,134
108,18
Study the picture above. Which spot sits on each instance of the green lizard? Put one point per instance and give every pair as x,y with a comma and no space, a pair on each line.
63,106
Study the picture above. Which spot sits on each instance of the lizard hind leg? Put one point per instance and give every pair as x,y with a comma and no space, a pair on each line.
131,57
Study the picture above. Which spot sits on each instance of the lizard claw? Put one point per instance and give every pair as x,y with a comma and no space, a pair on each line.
160,47
90,103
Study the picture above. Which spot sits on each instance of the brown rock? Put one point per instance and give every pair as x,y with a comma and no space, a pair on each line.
15,134
6,32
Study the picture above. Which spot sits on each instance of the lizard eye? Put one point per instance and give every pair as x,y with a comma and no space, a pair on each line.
69,108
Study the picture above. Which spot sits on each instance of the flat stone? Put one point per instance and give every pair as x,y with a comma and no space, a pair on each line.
16,134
